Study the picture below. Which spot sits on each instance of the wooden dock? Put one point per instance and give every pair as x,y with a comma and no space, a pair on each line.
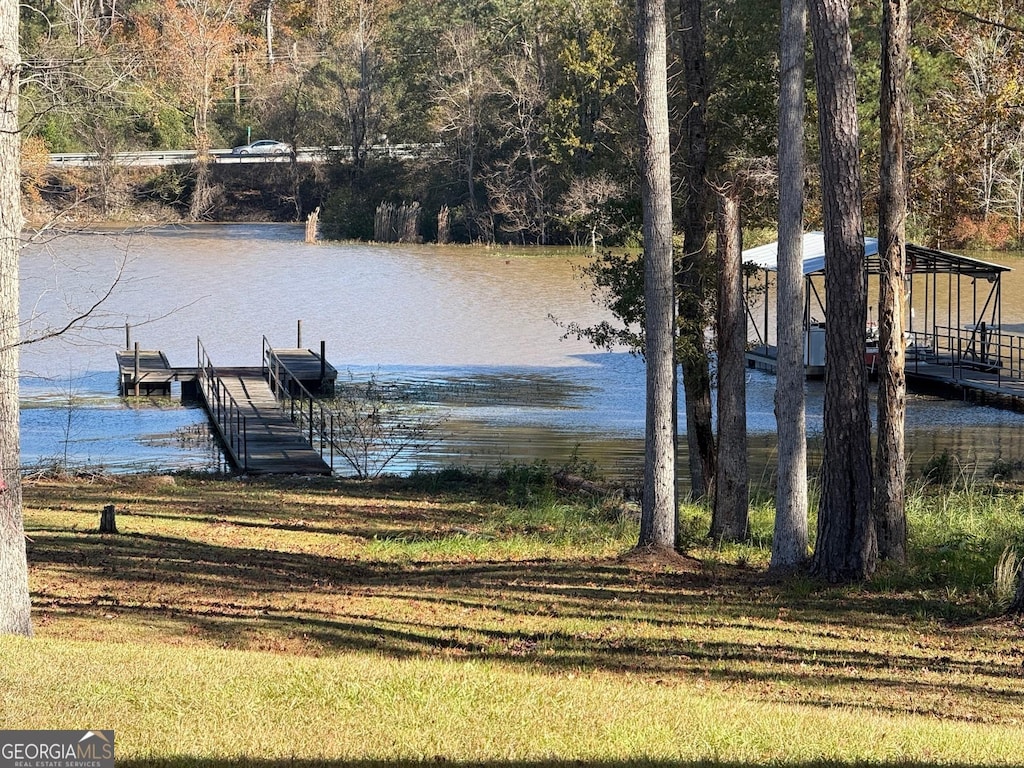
147,372
999,383
246,405
996,388
258,435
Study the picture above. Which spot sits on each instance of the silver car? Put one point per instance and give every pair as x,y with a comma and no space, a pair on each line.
263,147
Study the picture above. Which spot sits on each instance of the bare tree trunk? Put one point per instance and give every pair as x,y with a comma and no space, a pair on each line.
659,509
269,31
891,469
696,266
15,606
846,548
732,496
789,543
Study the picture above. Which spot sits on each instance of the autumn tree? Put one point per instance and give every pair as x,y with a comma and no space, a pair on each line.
977,108
350,38
463,91
586,208
189,44
517,178
846,547
15,607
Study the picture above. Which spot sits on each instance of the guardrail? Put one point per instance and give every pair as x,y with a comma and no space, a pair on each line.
186,156
223,408
303,408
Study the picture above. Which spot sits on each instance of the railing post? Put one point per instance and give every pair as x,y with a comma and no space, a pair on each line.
136,370
323,364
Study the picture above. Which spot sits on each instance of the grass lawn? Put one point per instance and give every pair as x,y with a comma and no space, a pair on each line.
320,622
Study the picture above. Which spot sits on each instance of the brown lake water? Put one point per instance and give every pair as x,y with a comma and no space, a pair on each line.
468,330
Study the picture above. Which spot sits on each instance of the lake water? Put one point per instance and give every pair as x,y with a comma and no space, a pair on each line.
470,329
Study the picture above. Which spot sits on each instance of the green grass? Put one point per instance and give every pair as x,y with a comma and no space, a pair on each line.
207,706
462,619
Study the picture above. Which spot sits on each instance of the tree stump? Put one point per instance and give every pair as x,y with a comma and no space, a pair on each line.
107,523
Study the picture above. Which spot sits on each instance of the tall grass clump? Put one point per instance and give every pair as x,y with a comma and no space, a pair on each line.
960,532
1004,578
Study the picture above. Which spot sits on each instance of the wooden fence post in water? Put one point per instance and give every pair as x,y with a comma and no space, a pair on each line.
136,369
107,522
444,231
397,223
311,225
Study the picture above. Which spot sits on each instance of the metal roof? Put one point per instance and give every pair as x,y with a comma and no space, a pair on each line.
920,259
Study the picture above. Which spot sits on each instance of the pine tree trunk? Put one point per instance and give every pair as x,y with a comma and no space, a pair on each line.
732,495
15,607
891,469
695,264
846,548
789,543
658,513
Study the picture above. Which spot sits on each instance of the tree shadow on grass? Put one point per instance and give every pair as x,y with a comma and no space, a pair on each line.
626,615
613,615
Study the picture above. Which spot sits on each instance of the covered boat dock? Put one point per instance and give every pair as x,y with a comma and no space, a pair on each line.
956,345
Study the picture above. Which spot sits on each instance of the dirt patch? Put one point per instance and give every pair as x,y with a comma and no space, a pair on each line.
652,558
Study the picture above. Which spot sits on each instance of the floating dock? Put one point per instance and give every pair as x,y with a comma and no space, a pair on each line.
268,418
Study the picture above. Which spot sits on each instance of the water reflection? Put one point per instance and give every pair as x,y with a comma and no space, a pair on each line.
467,331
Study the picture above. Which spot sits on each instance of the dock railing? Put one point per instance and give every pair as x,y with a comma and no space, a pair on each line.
224,409
304,409
977,348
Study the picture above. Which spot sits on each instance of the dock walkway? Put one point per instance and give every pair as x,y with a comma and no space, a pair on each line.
246,404
258,435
